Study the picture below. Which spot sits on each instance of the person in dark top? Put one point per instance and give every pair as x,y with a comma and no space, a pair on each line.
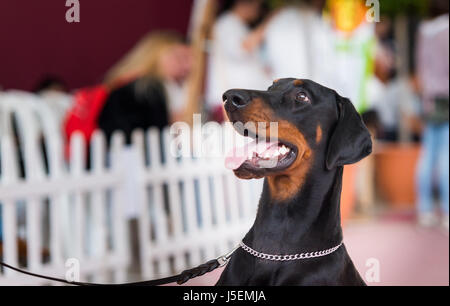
140,104
146,89
154,71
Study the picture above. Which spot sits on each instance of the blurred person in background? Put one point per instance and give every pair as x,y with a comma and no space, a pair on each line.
144,89
433,75
381,93
329,41
235,60
147,90
349,57
351,60
148,84
391,97
297,41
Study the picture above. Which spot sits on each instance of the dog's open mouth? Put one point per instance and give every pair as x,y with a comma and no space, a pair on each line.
262,155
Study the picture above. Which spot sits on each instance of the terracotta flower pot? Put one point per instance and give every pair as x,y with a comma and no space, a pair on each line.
395,170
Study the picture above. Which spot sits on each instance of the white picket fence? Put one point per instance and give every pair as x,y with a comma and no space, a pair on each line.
205,213
188,210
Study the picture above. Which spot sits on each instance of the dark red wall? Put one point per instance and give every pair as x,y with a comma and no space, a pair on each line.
36,40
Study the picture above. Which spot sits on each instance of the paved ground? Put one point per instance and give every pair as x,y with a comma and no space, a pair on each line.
407,255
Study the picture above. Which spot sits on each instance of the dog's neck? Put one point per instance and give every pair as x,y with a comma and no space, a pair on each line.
309,221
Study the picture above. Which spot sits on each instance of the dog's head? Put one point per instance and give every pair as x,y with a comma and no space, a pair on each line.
313,123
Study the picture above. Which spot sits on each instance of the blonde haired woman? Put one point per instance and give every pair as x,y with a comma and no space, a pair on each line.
146,91
147,85
157,54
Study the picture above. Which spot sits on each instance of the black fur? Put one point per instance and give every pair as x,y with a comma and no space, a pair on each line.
310,220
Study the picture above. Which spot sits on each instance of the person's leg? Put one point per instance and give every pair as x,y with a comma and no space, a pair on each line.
424,176
443,170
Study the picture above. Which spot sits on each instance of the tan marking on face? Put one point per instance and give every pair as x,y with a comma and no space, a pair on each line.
287,183
257,111
276,81
318,133
298,82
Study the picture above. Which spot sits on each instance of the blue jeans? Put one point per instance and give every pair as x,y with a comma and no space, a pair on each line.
433,164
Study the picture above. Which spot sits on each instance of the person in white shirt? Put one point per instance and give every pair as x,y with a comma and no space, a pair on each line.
234,60
297,43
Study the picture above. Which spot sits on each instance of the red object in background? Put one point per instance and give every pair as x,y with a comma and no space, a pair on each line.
83,115
217,114
396,172
37,41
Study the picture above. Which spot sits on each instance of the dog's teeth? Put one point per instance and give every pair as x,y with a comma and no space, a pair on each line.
283,150
276,153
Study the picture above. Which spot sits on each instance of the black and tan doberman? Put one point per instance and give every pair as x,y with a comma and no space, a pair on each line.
299,211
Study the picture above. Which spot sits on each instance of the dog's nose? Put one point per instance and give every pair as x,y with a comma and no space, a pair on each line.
235,98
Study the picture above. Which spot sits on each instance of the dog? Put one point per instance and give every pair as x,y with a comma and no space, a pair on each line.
299,210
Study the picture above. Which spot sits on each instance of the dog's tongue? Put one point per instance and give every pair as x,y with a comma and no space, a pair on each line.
237,156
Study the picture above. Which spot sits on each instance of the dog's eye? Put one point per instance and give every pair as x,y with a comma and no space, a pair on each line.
302,97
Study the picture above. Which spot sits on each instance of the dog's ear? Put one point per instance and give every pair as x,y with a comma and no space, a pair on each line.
350,141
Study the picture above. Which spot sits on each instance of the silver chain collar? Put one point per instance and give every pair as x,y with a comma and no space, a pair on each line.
288,257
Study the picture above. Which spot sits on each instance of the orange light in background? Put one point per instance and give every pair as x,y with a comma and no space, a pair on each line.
347,15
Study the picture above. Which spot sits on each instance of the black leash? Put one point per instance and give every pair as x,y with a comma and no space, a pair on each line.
179,278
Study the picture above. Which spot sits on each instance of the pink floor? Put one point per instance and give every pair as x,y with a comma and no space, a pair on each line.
407,255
